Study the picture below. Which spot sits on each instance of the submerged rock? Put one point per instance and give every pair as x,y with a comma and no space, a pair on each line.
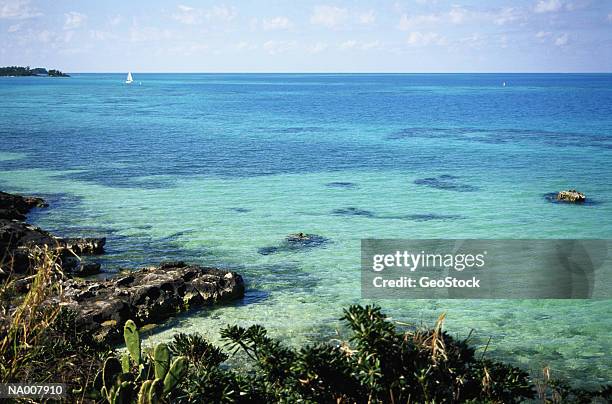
446,182
351,211
341,184
295,242
572,196
149,295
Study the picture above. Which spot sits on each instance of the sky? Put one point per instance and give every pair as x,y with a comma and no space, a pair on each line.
308,36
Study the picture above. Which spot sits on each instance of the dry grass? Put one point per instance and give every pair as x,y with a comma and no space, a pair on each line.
22,326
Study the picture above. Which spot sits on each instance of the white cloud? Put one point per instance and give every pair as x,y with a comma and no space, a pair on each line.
222,13
277,47
474,40
409,22
192,16
329,16
187,49
367,17
74,20
609,17
370,45
506,15
115,20
101,35
50,37
14,28
149,34
562,40
542,35
276,23
350,44
17,9
358,45
425,38
460,15
548,6
457,14
187,15
246,45
318,47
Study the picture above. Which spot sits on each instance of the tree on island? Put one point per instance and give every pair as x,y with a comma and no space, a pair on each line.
20,71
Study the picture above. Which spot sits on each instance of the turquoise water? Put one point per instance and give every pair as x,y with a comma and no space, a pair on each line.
211,168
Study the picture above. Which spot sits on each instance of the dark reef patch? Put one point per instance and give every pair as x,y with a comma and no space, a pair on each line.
292,129
295,243
506,135
351,211
415,217
239,210
424,217
447,183
341,184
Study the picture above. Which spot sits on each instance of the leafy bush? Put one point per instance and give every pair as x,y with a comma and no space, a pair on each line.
378,364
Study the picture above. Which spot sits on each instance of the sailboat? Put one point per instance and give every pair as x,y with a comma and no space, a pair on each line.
129,79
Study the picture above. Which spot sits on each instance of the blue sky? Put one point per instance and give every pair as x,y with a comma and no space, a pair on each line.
308,36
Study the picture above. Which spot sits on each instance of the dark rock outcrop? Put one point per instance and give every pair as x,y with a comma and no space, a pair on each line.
16,206
84,246
149,295
17,239
572,196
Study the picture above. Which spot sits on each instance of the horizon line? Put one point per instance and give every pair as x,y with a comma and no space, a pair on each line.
333,72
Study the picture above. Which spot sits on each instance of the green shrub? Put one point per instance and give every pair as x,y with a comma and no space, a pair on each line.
378,364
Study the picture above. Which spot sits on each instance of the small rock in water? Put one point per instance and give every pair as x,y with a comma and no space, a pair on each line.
88,269
295,242
305,239
571,195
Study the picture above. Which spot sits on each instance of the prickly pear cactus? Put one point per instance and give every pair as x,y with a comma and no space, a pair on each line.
121,383
143,394
161,359
175,374
125,363
156,391
132,340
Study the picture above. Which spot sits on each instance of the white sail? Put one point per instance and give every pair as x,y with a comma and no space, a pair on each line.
129,78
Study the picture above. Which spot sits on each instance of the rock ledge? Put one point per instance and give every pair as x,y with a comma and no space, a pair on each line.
147,296
571,195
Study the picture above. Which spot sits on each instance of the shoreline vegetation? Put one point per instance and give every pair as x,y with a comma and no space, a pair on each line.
58,328
20,71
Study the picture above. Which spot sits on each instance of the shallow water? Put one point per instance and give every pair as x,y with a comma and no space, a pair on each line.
213,168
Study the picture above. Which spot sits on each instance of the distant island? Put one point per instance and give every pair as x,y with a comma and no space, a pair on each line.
26,71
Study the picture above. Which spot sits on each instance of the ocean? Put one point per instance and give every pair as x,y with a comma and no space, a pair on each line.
216,168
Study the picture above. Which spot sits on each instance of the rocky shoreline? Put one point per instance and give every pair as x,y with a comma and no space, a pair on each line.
147,295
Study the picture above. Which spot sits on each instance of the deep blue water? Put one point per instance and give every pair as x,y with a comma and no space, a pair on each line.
216,168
